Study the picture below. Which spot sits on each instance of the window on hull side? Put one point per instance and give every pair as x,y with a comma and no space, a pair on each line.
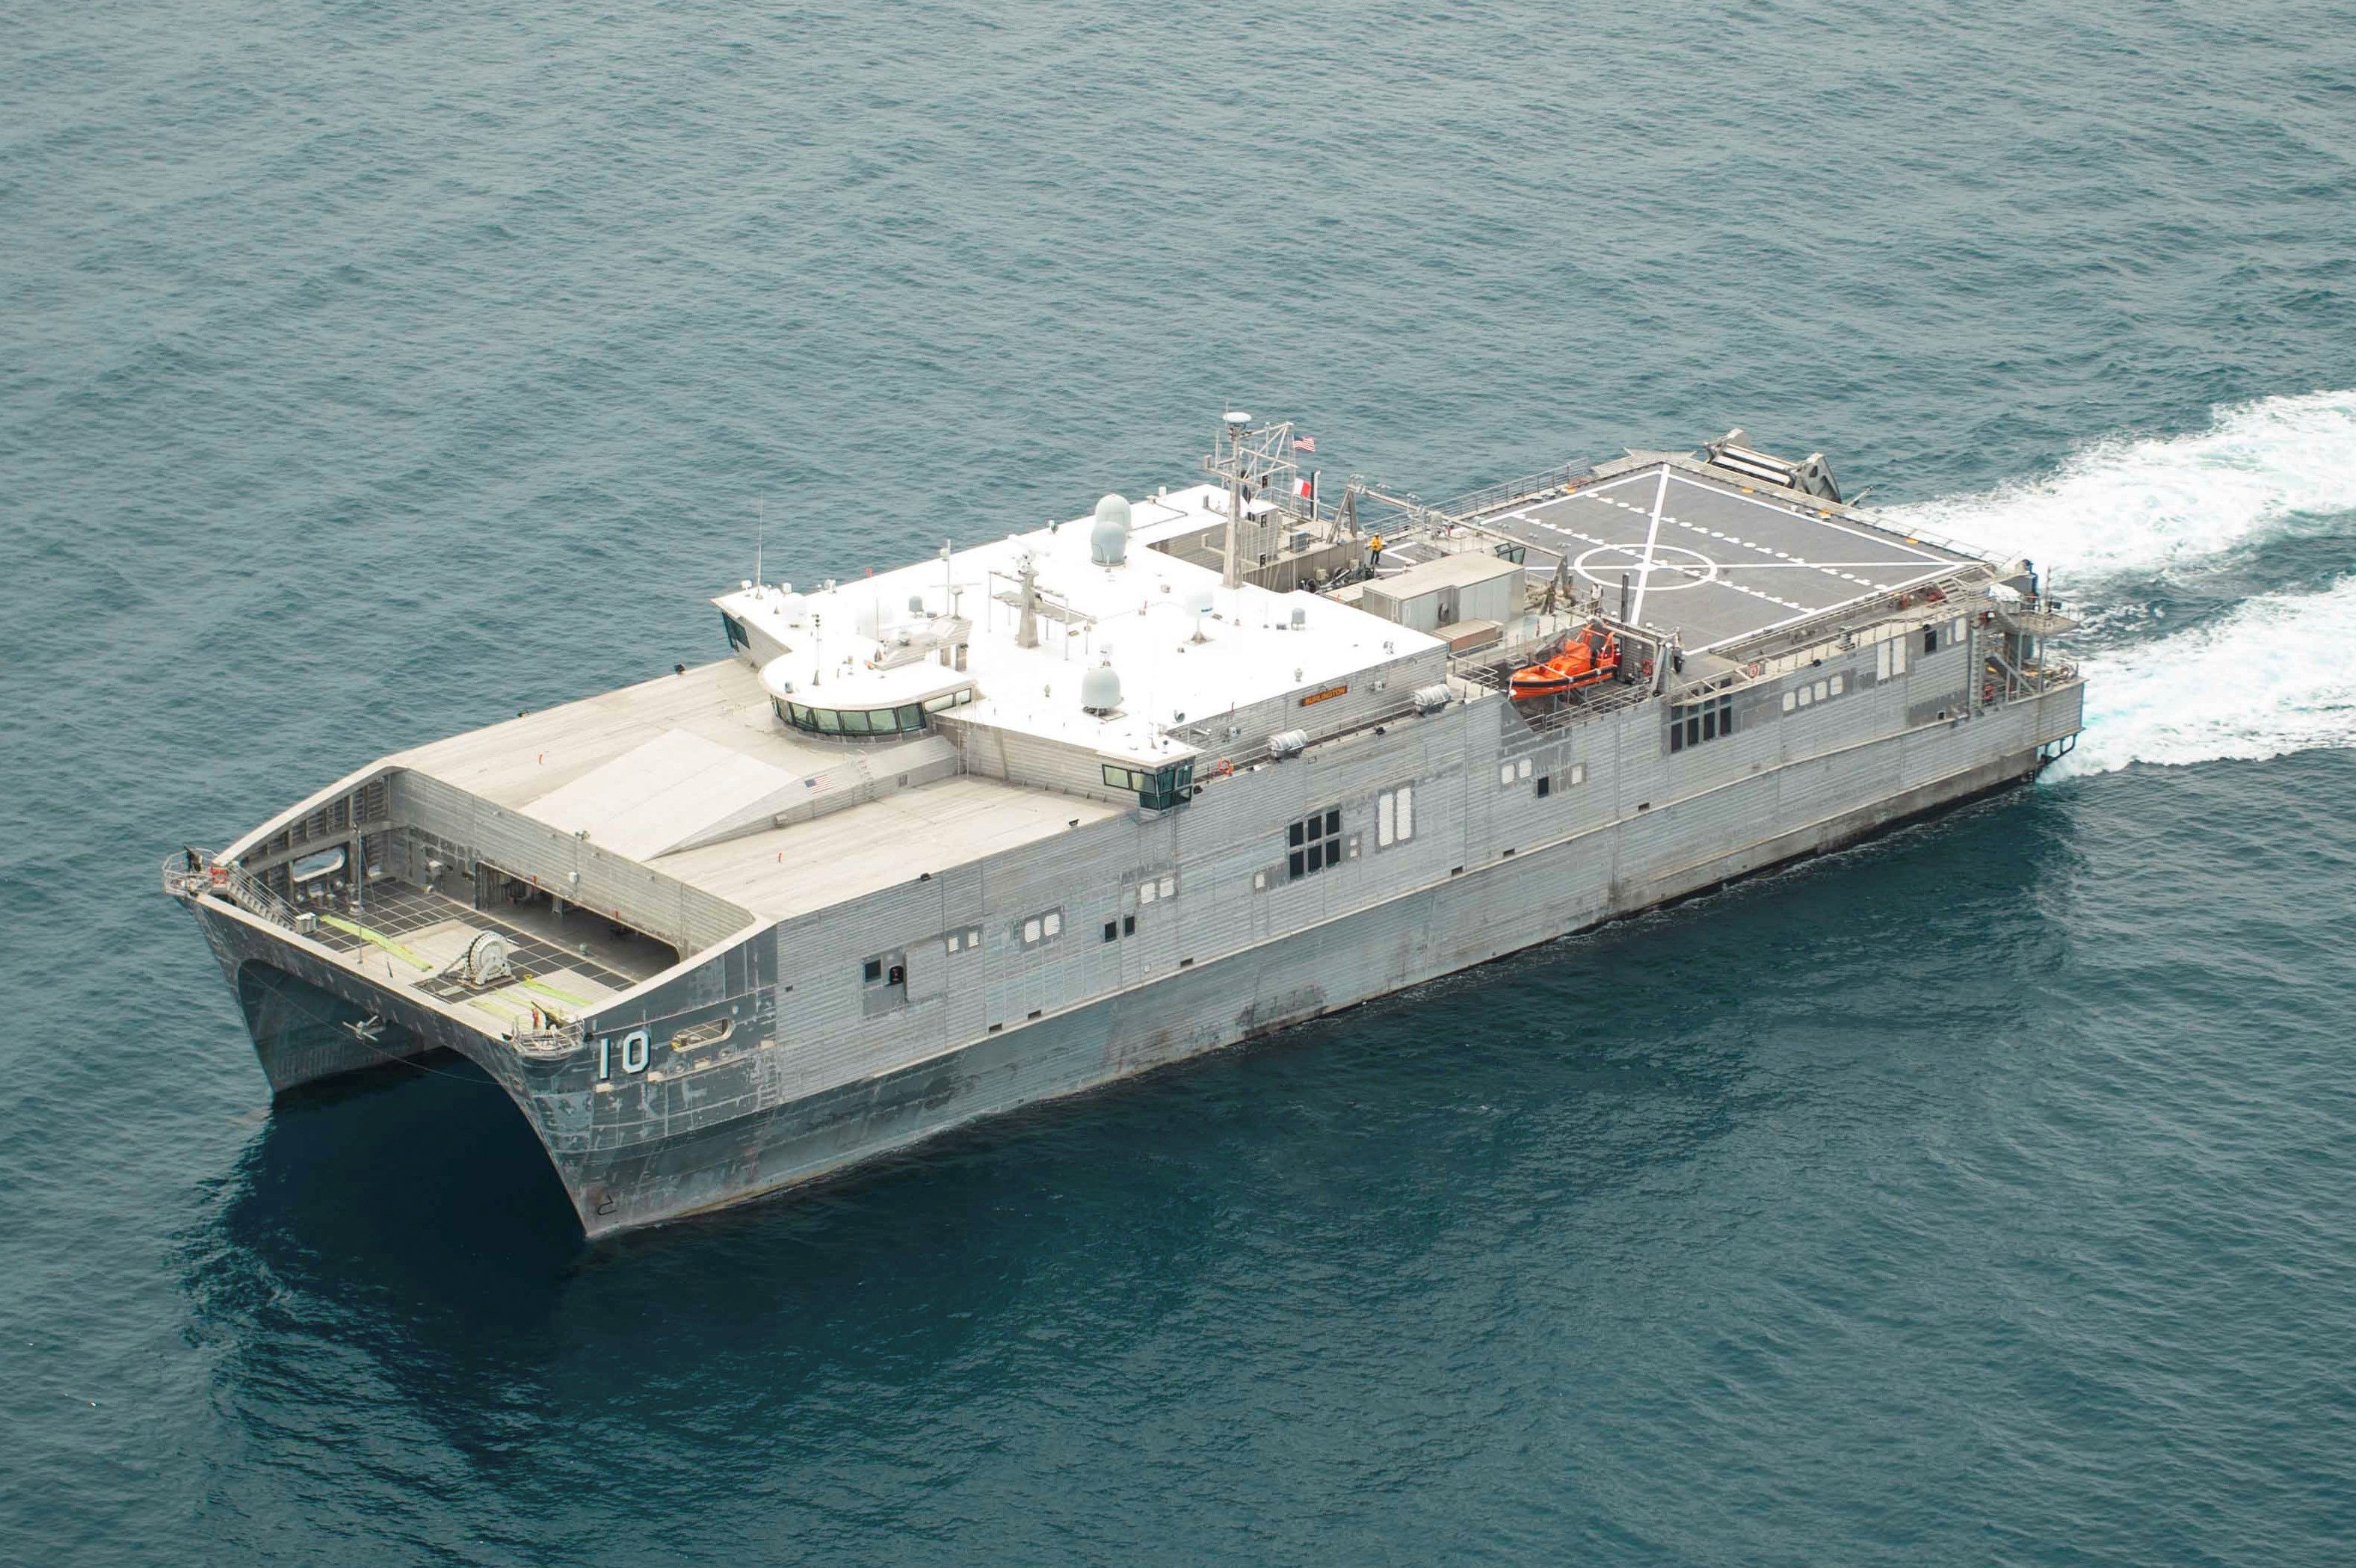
1696,723
1314,843
1394,816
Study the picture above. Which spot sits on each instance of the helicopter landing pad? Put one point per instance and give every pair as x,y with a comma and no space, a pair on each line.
1715,561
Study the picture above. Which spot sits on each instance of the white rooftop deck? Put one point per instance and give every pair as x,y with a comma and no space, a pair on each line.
1185,647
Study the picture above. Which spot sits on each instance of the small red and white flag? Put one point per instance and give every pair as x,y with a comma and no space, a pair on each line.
1304,444
1304,488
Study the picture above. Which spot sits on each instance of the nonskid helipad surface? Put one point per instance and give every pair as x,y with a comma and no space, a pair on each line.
1713,561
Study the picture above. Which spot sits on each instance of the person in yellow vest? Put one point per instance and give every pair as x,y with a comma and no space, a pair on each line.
1374,551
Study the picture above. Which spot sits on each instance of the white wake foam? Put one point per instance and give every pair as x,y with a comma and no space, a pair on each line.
2276,674
2124,506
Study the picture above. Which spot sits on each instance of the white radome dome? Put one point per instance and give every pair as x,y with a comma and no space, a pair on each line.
1100,691
1109,539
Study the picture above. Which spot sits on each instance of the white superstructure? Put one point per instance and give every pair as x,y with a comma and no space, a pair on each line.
949,638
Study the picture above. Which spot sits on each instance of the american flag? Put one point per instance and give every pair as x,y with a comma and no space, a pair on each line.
1304,444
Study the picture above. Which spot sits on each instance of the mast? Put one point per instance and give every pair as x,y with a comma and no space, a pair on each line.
1026,629
1235,422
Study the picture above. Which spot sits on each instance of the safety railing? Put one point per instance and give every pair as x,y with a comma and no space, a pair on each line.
2012,682
1494,669
551,1044
188,874
1243,759
1580,706
1476,504
252,894
184,880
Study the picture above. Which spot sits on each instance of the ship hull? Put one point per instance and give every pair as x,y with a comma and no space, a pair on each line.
625,1166
1353,959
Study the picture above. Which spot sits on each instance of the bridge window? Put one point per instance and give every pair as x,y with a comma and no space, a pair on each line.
906,719
1157,789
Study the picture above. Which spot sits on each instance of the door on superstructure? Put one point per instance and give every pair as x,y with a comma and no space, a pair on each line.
1149,925
927,969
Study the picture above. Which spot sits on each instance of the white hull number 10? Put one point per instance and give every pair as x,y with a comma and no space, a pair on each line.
633,1054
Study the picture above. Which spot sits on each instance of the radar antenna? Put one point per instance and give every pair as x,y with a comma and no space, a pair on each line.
1263,480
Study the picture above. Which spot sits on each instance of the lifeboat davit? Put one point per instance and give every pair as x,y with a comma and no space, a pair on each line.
1587,658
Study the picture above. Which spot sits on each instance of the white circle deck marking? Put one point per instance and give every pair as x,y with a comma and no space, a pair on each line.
1690,572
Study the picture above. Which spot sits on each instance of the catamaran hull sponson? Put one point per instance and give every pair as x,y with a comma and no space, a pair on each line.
662,1165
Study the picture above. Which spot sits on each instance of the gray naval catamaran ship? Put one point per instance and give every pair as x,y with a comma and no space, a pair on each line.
1033,816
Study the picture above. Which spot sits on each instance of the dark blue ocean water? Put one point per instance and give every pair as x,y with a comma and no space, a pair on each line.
1986,1194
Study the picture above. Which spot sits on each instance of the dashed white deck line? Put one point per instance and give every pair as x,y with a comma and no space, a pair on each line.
1808,613
1823,519
1755,593
1834,569
1570,533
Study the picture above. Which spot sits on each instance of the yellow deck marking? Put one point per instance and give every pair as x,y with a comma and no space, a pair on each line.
545,989
376,939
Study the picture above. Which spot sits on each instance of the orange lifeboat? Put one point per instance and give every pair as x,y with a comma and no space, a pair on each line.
1587,658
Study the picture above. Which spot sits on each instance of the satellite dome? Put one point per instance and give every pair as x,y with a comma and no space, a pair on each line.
1108,540
1100,691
